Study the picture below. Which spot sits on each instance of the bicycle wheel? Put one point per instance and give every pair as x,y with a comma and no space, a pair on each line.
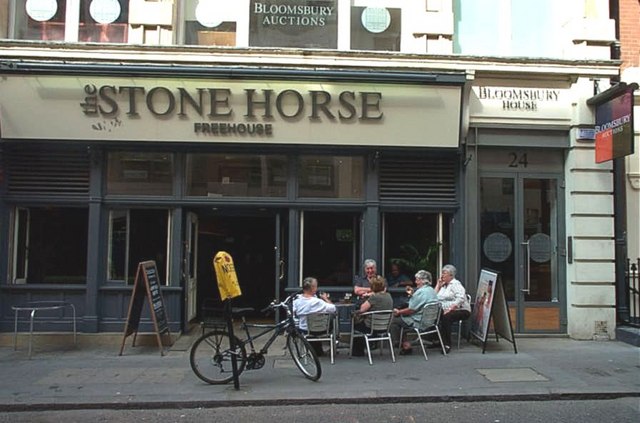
210,357
304,356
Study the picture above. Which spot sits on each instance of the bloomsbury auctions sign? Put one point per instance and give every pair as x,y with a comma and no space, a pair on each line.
614,122
294,23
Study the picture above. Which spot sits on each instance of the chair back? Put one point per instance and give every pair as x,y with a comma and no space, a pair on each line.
319,323
378,321
430,315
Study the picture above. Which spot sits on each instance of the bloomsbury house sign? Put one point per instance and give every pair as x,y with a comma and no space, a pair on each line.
294,23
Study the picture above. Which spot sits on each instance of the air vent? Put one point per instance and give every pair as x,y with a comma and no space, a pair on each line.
427,181
45,171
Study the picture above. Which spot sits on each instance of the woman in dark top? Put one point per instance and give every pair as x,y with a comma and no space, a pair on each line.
378,300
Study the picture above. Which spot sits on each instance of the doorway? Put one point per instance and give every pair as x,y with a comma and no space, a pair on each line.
254,241
521,227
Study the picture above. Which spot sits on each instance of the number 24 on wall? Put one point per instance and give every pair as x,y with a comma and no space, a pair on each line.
517,160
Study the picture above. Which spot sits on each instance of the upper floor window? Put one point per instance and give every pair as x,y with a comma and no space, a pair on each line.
41,20
211,22
375,28
508,28
103,21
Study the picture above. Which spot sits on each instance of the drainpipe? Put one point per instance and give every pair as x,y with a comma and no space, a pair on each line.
619,195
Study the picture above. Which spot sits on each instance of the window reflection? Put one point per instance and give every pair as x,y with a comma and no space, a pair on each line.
236,175
140,173
331,177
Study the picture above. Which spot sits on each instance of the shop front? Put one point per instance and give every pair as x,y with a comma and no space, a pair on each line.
292,172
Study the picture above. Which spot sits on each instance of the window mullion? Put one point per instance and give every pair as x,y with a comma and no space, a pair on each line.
72,21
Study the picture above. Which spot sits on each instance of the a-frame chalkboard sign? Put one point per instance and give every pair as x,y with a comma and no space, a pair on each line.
146,285
491,305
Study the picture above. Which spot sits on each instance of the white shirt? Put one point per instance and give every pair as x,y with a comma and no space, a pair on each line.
302,306
453,294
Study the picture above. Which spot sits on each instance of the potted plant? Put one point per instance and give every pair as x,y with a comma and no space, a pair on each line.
413,260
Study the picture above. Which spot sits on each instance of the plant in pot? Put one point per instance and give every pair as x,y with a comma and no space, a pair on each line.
413,259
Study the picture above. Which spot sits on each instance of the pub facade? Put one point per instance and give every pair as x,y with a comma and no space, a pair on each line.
301,137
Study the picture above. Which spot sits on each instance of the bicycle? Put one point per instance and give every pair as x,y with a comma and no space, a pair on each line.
210,356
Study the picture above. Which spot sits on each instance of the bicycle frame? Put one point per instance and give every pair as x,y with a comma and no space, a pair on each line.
285,325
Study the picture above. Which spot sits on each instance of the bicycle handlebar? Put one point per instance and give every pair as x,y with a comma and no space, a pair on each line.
286,303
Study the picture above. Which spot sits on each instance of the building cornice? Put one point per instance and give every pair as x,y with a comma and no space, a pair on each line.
195,56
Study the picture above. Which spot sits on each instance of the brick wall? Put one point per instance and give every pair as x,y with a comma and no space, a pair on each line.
630,32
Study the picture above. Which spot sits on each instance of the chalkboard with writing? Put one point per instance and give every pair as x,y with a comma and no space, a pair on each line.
146,285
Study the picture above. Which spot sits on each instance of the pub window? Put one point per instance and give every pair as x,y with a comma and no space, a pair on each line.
140,173
415,241
330,247
331,177
210,23
236,175
49,245
137,235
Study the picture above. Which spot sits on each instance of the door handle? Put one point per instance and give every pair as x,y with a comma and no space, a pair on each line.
281,276
527,263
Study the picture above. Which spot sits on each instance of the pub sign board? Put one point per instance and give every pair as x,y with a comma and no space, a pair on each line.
294,23
147,286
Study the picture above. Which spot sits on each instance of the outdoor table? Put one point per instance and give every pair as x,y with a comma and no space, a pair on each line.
343,318
34,307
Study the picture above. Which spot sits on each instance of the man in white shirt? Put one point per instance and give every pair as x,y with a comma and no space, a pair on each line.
308,303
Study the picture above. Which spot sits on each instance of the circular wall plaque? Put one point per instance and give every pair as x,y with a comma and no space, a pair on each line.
41,10
105,11
206,14
540,248
375,19
497,247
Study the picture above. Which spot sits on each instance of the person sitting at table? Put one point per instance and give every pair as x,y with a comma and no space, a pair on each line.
307,303
410,316
397,279
362,284
453,298
378,300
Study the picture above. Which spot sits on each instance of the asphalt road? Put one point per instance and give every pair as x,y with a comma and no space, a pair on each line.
618,410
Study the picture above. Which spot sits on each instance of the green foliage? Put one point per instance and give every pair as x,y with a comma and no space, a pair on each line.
413,260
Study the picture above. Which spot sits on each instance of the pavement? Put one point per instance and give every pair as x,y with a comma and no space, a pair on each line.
92,375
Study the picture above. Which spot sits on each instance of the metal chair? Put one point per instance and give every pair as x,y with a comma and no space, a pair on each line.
429,324
320,328
378,323
460,323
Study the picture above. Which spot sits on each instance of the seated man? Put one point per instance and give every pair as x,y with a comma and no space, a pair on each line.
308,303
362,284
410,316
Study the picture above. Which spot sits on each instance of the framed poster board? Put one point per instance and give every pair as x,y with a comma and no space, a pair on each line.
146,285
482,306
491,306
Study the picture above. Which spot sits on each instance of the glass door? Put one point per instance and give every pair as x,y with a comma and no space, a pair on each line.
191,265
520,225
